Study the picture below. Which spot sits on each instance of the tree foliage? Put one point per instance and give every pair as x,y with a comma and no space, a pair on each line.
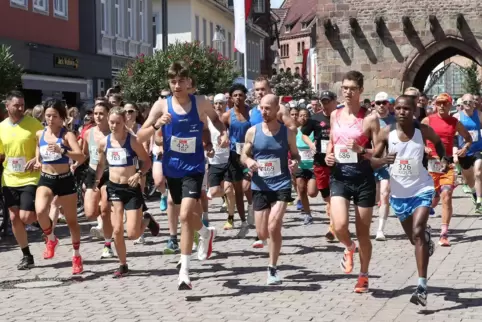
144,78
289,84
472,82
10,72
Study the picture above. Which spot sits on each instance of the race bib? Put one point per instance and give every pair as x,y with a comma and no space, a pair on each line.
183,145
239,148
94,153
434,165
306,155
117,156
475,135
16,164
324,145
405,167
49,156
345,155
269,168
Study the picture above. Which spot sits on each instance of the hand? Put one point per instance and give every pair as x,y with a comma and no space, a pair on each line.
313,148
37,166
54,148
456,158
352,145
30,165
252,165
390,158
330,159
223,141
293,165
73,167
210,153
163,120
445,165
134,180
428,150
462,152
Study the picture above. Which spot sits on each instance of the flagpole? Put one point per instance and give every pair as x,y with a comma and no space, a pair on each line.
245,63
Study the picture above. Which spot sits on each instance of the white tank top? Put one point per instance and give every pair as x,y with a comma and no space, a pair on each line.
408,176
221,155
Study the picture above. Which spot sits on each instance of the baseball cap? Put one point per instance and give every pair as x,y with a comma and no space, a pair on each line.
292,103
219,98
444,97
459,101
391,100
380,97
327,95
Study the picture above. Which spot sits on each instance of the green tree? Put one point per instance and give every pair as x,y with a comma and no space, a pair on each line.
288,84
10,72
472,81
143,79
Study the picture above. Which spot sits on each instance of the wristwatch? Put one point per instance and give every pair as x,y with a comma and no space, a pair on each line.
140,172
63,151
155,128
364,151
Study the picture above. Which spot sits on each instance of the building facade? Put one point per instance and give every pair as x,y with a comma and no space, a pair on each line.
48,48
195,20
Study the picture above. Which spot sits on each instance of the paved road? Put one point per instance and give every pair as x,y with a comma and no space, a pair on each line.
230,286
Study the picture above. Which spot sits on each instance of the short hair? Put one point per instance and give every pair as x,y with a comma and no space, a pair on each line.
106,105
424,95
14,94
116,96
414,89
118,111
355,76
261,79
57,105
100,99
409,98
237,87
178,69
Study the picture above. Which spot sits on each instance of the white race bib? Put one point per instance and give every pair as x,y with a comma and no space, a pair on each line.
306,155
183,145
405,167
239,148
49,156
345,155
324,145
269,168
475,135
16,164
434,165
116,156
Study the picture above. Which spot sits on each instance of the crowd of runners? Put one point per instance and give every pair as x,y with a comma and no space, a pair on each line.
393,152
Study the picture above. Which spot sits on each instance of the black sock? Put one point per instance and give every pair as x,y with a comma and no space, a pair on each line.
231,218
26,251
173,238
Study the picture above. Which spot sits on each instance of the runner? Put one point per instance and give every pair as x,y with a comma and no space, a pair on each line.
382,175
182,118
445,126
411,186
266,155
96,204
20,176
352,175
56,147
119,150
471,163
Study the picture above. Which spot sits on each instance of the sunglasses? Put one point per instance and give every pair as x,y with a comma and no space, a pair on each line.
468,102
130,111
381,102
163,96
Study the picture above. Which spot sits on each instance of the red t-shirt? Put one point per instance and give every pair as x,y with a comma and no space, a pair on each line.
445,128
84,129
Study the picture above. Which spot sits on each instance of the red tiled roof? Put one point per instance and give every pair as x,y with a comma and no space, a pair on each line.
299,12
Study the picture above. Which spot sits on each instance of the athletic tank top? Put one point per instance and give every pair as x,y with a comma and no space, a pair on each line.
445,128
237,132
472,124
182,140
271,154
408,175
350,165
255,116
306,154
322,136
48,157
387,120
221,155
93,146
120,157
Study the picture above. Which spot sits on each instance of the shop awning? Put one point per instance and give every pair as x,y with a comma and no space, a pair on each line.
54,83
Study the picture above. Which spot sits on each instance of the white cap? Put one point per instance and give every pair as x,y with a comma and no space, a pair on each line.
459,101
382,96
219,98
302,101
292,103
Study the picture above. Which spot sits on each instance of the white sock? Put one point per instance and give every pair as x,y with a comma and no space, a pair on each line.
382,215
100,222
203,232
165,193
185,261
51,237
76,252
381,223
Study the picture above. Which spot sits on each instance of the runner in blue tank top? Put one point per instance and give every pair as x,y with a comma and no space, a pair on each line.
471,163
266,155
237,120
183,118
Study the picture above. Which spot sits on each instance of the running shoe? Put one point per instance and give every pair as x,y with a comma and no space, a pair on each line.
224,207
97,232
419,296
346,263
172,247
31,228
27,262
250,218
478,208
273,277
184,282
205,247
50,247
362,284
140,241
244,230
163,203
229,224
330,234
432,212
473,195
380,236
299,206
308,219
77,266
444,241
107,252
259,243
122,271
466,189
152,225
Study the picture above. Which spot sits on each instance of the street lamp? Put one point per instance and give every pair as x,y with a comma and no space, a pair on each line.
218,38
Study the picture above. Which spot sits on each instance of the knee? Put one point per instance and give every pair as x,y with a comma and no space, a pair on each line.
312,193
229,189
132,234
215,191
446,197
418,234
184,217
28,217
301,188
274,228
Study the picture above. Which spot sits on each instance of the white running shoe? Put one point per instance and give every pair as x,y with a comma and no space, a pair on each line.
205,247
107,252
184,282
259,244
250,218
243,231
97,232
380,236
140,241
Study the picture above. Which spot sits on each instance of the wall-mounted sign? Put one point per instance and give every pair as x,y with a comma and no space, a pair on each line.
66,62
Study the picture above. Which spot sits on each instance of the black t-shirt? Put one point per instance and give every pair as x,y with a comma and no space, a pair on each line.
319,125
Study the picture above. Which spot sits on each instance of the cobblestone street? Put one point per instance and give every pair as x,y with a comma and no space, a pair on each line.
231,285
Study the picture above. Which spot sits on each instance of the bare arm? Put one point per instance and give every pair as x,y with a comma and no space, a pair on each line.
75,152
213,116
247,153
147,129
284,115
102,160
374,132
466,135
142,154
295,155
429,134
377,160
37,149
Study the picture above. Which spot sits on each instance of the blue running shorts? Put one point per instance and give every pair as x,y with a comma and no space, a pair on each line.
405,207
381,174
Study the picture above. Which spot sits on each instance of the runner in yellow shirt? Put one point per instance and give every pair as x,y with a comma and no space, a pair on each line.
20,175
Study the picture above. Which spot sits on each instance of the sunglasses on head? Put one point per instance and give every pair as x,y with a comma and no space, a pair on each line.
381,102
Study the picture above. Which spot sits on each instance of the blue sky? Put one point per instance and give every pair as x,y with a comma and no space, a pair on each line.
276,3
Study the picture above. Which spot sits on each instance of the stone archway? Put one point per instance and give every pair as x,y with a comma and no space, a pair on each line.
420,64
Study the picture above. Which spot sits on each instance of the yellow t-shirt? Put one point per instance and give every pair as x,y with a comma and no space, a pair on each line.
18,143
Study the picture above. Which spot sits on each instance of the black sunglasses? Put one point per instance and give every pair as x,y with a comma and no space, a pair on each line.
130,111
381,102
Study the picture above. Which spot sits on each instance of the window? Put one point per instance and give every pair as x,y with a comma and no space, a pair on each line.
230,46
129,23
41,5
103,8
117,18
196,26
142,20
261,49
60,8
258,6
288,28
224,48
205,32
211,34
302,47
285,51
154,31
19,3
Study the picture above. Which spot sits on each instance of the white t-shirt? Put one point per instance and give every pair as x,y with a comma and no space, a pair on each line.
221,155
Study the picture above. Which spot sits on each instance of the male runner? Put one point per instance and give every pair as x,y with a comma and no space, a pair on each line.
420,113
411,186
352,130
182,118
18,143
265,153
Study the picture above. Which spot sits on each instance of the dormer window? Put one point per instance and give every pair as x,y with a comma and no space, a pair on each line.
288,28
